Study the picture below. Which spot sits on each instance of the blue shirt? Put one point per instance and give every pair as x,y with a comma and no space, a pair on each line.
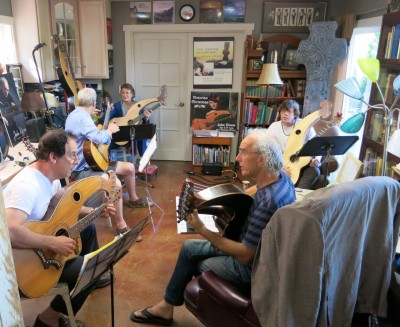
266,201
80,123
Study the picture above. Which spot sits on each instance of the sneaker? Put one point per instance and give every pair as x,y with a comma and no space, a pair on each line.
103,281
140,203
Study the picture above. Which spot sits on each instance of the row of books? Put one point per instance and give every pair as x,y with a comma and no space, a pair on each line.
297,89
258,113
392,50
206,153
372,164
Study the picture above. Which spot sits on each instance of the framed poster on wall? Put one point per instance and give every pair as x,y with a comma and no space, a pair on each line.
212,62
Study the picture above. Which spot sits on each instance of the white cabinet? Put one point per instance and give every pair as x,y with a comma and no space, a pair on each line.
33,26
82,24
93,38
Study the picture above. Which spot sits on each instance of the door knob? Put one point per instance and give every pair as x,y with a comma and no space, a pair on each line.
181,104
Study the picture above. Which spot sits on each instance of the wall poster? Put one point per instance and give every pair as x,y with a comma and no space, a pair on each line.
11,114
214,111
212,62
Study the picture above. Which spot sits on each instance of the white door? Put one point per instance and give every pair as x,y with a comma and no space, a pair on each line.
161,58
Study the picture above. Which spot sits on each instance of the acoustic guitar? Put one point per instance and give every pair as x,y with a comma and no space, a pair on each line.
96,155
228,204
65,72
293,163
132,117
212,119
38,270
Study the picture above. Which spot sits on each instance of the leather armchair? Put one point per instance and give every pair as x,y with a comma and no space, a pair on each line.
217,303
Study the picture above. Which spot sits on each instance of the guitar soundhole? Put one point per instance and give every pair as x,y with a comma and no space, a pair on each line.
294,158
298,131
62,232
139,105
77,196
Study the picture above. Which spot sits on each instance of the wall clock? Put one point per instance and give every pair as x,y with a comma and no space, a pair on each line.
186,13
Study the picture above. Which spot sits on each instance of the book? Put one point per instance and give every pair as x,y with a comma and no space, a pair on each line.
395,45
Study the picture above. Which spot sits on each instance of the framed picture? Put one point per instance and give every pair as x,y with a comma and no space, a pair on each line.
163,12
234,11
210,11
16,71
140,12
294,17
290,58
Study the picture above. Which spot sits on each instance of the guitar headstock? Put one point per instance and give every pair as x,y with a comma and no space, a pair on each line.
186,201
325,108
29,146
163,95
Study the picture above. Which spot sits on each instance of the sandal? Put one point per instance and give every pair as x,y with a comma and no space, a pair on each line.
139,203
149,318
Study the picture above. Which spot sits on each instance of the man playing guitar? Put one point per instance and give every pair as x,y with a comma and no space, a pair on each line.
261,160
27,198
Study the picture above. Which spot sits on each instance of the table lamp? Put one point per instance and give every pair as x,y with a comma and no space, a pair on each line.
350,87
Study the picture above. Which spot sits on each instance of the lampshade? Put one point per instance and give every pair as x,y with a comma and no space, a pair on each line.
353,124
31,101
269,75
370,67
350,87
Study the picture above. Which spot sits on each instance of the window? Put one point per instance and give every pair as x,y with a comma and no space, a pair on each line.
363,44
7,53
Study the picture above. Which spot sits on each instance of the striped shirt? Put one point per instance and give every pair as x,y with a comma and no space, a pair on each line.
266,201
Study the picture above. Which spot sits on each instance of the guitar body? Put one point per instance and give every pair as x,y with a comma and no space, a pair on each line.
213,118
38,270
67,78
296,141
227,202
96,155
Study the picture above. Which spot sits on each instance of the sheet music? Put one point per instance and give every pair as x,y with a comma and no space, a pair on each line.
151,148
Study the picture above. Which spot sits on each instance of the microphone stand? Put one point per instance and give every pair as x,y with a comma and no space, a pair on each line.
41,88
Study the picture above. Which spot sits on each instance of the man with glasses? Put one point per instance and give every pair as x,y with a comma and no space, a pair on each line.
27,198
261,160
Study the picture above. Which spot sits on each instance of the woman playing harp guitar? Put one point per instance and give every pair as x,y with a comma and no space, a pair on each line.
261,160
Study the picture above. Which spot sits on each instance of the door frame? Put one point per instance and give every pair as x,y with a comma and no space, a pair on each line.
238,31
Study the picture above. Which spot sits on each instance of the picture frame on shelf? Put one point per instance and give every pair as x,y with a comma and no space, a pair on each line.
140,12
16,71
290,58
163,12
294,17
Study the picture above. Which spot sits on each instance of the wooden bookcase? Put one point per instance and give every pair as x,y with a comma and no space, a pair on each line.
250,77
374,132
210,149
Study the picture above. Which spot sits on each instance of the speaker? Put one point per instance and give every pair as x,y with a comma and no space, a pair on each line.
36,127
214,168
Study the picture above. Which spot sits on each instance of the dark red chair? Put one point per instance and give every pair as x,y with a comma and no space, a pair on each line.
215,302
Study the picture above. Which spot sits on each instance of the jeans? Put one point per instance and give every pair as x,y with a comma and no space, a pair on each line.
197,256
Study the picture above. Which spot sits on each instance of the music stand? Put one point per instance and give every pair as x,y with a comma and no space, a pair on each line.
134,133
98,262
327,146
144,163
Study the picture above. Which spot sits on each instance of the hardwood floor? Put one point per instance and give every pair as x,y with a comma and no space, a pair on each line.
142,275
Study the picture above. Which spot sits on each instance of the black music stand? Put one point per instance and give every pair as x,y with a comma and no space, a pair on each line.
98,262
327,146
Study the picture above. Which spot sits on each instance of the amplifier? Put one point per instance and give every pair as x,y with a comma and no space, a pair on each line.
214,169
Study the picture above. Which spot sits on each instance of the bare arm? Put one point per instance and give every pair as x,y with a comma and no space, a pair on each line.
23,237
239,251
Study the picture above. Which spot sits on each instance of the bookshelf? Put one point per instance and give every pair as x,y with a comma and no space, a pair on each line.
374,131
210,150
256,110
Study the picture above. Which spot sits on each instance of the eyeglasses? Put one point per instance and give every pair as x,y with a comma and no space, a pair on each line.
73,157
243,152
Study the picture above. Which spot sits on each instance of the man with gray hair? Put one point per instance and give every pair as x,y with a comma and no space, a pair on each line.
80,123
260,159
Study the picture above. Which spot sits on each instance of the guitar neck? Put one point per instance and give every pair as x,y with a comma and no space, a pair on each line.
141,116
84,222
